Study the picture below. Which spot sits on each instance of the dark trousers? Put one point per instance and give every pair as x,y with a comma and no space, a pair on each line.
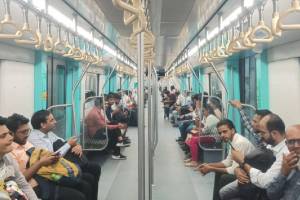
184,129
60,193
113,135
166,111
91,174
220,181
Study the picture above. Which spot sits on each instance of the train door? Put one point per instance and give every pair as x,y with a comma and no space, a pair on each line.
56,86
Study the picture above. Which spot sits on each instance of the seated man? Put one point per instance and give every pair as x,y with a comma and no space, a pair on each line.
10,172
228,134
42,136
286,186
225,169
272,130
95,123
19,127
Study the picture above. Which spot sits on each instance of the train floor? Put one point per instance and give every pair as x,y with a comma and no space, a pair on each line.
172,180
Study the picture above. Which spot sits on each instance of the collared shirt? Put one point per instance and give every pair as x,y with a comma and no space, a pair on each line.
241,144
263,180
46,140
9,168
20,155
285,187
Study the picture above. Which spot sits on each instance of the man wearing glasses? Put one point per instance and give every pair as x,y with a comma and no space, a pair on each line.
287,185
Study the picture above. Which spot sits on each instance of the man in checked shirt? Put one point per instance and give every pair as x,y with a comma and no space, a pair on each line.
251,125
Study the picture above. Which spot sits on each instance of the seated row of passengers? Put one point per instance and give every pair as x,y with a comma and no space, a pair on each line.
266,169
38,164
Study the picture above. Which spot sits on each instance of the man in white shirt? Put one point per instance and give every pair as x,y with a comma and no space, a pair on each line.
272,130
228,134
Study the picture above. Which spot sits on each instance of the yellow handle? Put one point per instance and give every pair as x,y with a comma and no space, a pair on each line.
7,21
39,39
48,43
246,41
294,8
77,54
60,47
275,28
261,27
69,50
34,39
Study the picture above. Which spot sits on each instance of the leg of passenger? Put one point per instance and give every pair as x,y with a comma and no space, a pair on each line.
194,148
229,191
63,193
92,175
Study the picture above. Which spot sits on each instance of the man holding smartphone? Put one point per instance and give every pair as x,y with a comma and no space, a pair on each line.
42,136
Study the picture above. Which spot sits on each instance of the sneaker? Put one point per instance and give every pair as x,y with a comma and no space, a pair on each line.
119,157
122,144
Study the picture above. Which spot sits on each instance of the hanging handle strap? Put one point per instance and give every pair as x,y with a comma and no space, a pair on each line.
261,27
29,37
295,8
8,22
48,43
275,18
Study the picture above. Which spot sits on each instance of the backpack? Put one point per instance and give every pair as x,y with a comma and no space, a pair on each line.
262,159
62,169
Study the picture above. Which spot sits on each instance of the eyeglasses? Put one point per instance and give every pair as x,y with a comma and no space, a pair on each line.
25,131
293,142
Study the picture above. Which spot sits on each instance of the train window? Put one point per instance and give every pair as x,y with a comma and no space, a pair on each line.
247,69
119,82
92,82
215,87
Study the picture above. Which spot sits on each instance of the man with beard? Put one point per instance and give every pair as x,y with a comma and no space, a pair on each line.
272,130
287,185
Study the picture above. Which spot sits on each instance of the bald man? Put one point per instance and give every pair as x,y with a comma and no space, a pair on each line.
287,185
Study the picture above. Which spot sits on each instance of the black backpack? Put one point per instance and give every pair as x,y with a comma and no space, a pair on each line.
262,159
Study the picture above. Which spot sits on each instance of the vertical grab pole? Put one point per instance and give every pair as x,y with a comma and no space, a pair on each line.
222,82
73,97
150,128
141,128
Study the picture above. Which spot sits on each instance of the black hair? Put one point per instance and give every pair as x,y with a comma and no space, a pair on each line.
98,101
226,122
3,121
15,121
38,118
263,112
275,123
209,109
111,95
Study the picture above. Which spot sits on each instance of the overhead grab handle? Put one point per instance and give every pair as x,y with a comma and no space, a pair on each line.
295,8
60,45
239,45
275,18
261,33
77,53
232,43
29,37
38,32
246,41
8,28
48,43
68,47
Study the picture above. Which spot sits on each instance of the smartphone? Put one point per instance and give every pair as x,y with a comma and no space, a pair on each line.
57,153
231,145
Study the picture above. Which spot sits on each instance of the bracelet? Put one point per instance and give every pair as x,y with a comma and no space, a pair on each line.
242,165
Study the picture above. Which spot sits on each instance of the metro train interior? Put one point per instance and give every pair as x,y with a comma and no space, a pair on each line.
150,99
